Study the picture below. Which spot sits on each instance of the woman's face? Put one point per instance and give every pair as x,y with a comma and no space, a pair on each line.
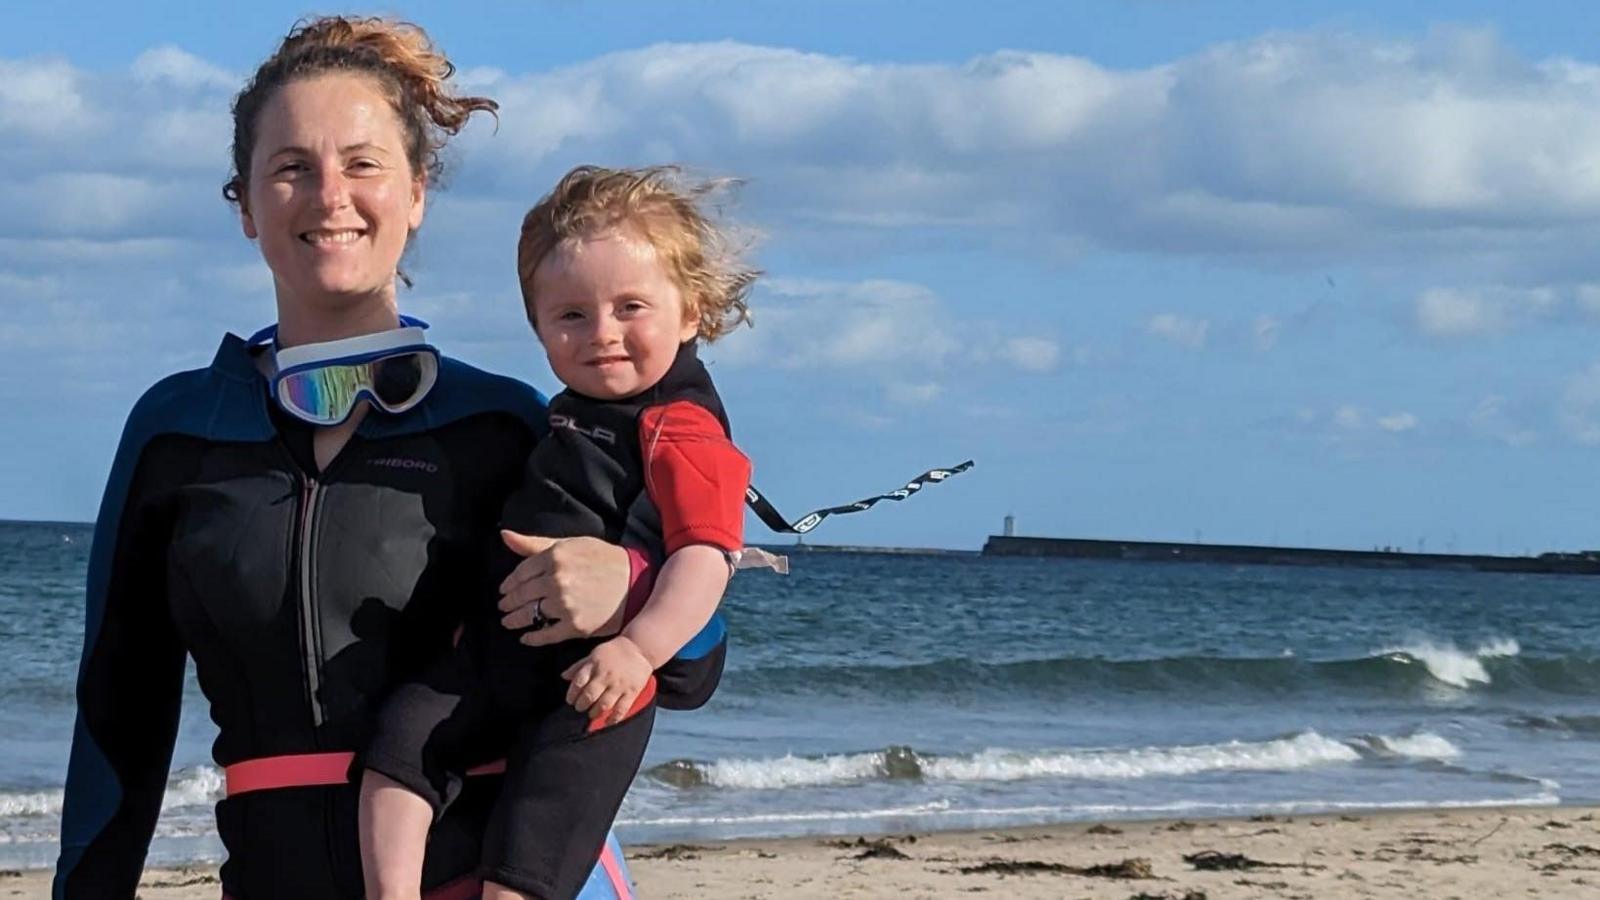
332,197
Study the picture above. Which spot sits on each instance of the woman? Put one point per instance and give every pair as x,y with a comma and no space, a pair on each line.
309,548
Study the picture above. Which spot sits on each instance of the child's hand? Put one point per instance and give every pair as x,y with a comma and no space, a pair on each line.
608,680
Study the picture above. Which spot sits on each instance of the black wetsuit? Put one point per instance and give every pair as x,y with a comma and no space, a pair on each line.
303,599
564,782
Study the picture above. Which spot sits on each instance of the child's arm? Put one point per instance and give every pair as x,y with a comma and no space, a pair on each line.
609,680
686,594
697,479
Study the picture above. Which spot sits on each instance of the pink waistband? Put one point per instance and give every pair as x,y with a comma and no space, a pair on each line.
305,770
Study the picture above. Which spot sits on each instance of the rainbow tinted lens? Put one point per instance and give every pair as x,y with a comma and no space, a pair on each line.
327,394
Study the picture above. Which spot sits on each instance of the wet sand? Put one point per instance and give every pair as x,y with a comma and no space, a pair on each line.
1469,854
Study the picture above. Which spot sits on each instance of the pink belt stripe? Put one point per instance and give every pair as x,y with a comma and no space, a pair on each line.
619,884
305,770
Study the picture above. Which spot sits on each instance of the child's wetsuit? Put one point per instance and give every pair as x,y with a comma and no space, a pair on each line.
656,471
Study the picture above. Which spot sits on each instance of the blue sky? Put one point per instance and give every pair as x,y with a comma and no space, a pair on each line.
1318,275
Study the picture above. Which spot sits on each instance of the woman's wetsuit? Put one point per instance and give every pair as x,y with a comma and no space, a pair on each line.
302,598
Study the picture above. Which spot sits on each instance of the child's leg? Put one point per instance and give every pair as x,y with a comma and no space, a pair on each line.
394,837
414,767
563,787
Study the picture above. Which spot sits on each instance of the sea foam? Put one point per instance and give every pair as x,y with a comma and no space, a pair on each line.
199,786
1304,750
1448,663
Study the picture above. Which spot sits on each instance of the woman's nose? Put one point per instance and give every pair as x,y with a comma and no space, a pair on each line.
333,190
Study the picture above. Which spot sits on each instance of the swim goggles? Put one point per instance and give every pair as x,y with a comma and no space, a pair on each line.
321,383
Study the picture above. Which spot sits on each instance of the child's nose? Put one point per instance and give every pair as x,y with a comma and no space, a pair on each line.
607,330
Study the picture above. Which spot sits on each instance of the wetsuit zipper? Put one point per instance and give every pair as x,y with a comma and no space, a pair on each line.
310,620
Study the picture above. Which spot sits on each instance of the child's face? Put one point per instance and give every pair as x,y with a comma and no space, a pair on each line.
610,316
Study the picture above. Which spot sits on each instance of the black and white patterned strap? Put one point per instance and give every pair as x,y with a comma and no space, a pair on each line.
775,520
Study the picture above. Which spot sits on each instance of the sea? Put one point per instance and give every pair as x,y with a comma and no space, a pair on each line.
878,692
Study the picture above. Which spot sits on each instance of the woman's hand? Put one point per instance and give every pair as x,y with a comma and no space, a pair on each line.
581,583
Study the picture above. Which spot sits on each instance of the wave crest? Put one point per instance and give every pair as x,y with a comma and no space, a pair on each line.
198,786
1299,751
1450,664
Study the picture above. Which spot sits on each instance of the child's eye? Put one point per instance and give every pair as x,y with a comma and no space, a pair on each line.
634,306
570,315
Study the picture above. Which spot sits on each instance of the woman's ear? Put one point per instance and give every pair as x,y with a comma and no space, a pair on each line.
247,222
419,201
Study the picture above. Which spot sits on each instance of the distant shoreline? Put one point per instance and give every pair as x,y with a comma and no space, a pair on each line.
867,549
1547,563
1585,563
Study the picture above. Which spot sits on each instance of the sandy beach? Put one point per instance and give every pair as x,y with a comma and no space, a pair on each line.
1480,853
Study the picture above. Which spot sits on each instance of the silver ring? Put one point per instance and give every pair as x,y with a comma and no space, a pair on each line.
540,620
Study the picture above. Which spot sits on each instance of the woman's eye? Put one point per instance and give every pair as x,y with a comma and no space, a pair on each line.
365,165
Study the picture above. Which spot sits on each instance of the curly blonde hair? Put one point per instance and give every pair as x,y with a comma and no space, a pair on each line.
398,56
666,207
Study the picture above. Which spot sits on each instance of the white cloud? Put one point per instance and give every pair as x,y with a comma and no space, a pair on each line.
1288,143
1265,331
874,324
84,203
188,138
903,394
1493,417
1032,354
1181,330
1313,143
1587,300
41,98
1396,423
1350,418
173,66
15,287
1443,312
57,252
1580,406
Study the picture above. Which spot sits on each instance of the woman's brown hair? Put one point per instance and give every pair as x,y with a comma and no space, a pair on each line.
400,59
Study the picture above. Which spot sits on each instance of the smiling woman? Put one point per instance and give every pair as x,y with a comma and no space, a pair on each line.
332,208
335,142
308,559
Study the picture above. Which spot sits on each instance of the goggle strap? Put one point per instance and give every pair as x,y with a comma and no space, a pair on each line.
350,351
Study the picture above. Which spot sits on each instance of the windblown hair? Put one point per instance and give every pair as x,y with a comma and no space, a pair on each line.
667,210
399,58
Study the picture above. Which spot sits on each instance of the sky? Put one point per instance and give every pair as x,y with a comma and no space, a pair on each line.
1235,272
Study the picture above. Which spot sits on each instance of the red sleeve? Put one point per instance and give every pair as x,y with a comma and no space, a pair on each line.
694,475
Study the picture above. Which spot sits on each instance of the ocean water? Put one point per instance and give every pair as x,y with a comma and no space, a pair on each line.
872,692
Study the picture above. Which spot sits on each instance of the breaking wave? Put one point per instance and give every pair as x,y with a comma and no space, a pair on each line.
1399,669
1303,750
